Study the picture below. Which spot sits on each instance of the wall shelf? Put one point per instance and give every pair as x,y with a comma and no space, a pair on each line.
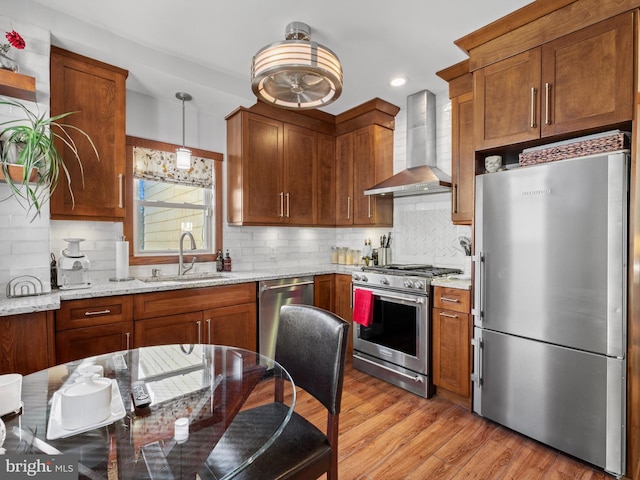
16,85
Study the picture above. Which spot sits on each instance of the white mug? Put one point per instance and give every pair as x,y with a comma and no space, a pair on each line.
492,163
10,392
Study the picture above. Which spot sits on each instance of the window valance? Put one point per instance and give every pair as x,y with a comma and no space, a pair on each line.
161,166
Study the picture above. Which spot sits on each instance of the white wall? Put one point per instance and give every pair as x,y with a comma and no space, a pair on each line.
24,244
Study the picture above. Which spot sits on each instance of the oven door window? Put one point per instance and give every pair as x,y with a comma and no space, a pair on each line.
394,326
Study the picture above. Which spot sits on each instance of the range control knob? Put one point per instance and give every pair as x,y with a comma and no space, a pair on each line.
384,281
363,278
356,277
408,284
419,285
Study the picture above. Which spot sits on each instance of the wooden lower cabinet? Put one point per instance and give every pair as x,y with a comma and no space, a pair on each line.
235,326
344,304
183,328
85,342
324,291
24,342
93,326
451,340
223,315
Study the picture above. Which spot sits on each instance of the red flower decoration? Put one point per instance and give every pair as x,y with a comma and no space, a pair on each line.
15,40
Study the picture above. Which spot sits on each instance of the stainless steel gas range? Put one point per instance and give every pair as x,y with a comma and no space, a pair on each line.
395,347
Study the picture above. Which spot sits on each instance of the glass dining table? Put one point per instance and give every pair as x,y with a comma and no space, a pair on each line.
195,392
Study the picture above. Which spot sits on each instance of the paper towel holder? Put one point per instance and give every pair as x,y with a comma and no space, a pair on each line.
127,278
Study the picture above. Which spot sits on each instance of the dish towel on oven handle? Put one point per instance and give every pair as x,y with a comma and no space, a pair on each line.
363,307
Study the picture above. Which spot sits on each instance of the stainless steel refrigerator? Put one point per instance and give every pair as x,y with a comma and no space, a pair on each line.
550,297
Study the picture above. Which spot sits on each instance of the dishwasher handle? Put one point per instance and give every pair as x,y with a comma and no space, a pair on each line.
265,288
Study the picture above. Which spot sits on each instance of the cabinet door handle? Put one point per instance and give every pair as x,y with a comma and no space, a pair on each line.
348,208
369,212
208,320
451,300
547,98
128,337
287,195
120,190
443,314
454,198
100,312
533,107
282,204
199,324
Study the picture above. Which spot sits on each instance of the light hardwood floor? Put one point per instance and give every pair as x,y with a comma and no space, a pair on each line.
387,433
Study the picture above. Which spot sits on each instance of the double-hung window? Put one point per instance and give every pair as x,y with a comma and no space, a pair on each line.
169,201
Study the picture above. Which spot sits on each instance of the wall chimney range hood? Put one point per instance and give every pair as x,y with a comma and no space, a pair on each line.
421,177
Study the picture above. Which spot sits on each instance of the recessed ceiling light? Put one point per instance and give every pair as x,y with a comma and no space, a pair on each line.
398,81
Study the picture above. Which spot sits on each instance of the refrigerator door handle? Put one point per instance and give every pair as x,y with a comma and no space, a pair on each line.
478,296
476,376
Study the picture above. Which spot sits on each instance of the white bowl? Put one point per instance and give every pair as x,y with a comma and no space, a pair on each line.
86,402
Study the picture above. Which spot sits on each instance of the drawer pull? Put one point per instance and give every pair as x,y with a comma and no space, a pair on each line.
450,300
442,314
100,312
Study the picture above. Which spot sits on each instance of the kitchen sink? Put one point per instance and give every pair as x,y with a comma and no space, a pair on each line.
187,277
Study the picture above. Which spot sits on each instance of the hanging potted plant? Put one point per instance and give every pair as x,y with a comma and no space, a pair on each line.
30,163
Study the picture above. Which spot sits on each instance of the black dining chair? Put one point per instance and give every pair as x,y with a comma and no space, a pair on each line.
311,345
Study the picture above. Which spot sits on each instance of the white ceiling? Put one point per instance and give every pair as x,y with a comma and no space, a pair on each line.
205,47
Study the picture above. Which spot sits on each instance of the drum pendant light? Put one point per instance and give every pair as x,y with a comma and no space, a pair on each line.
296,73
183,155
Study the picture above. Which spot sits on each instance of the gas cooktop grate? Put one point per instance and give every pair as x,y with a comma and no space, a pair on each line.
412,269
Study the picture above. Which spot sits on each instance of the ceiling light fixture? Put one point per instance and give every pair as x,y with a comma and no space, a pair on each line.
183,155
296,73
398,81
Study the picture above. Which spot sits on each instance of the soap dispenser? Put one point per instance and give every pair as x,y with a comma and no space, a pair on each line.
227,262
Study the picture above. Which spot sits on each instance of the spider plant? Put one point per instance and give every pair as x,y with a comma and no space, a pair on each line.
30,143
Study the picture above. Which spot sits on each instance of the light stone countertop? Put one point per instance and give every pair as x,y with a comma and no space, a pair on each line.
460,282
51,301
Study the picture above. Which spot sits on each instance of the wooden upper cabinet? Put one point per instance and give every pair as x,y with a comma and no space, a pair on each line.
506,98
326,180
97,92
587,77
344,179
462,160
272,171
460,82
364,157
254,169
300,170
578,82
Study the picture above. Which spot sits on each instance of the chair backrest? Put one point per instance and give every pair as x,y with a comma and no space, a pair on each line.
312,346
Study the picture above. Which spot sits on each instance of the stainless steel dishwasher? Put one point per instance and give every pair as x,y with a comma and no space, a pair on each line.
272,294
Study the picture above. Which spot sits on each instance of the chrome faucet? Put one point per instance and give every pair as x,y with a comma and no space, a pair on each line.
181,268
